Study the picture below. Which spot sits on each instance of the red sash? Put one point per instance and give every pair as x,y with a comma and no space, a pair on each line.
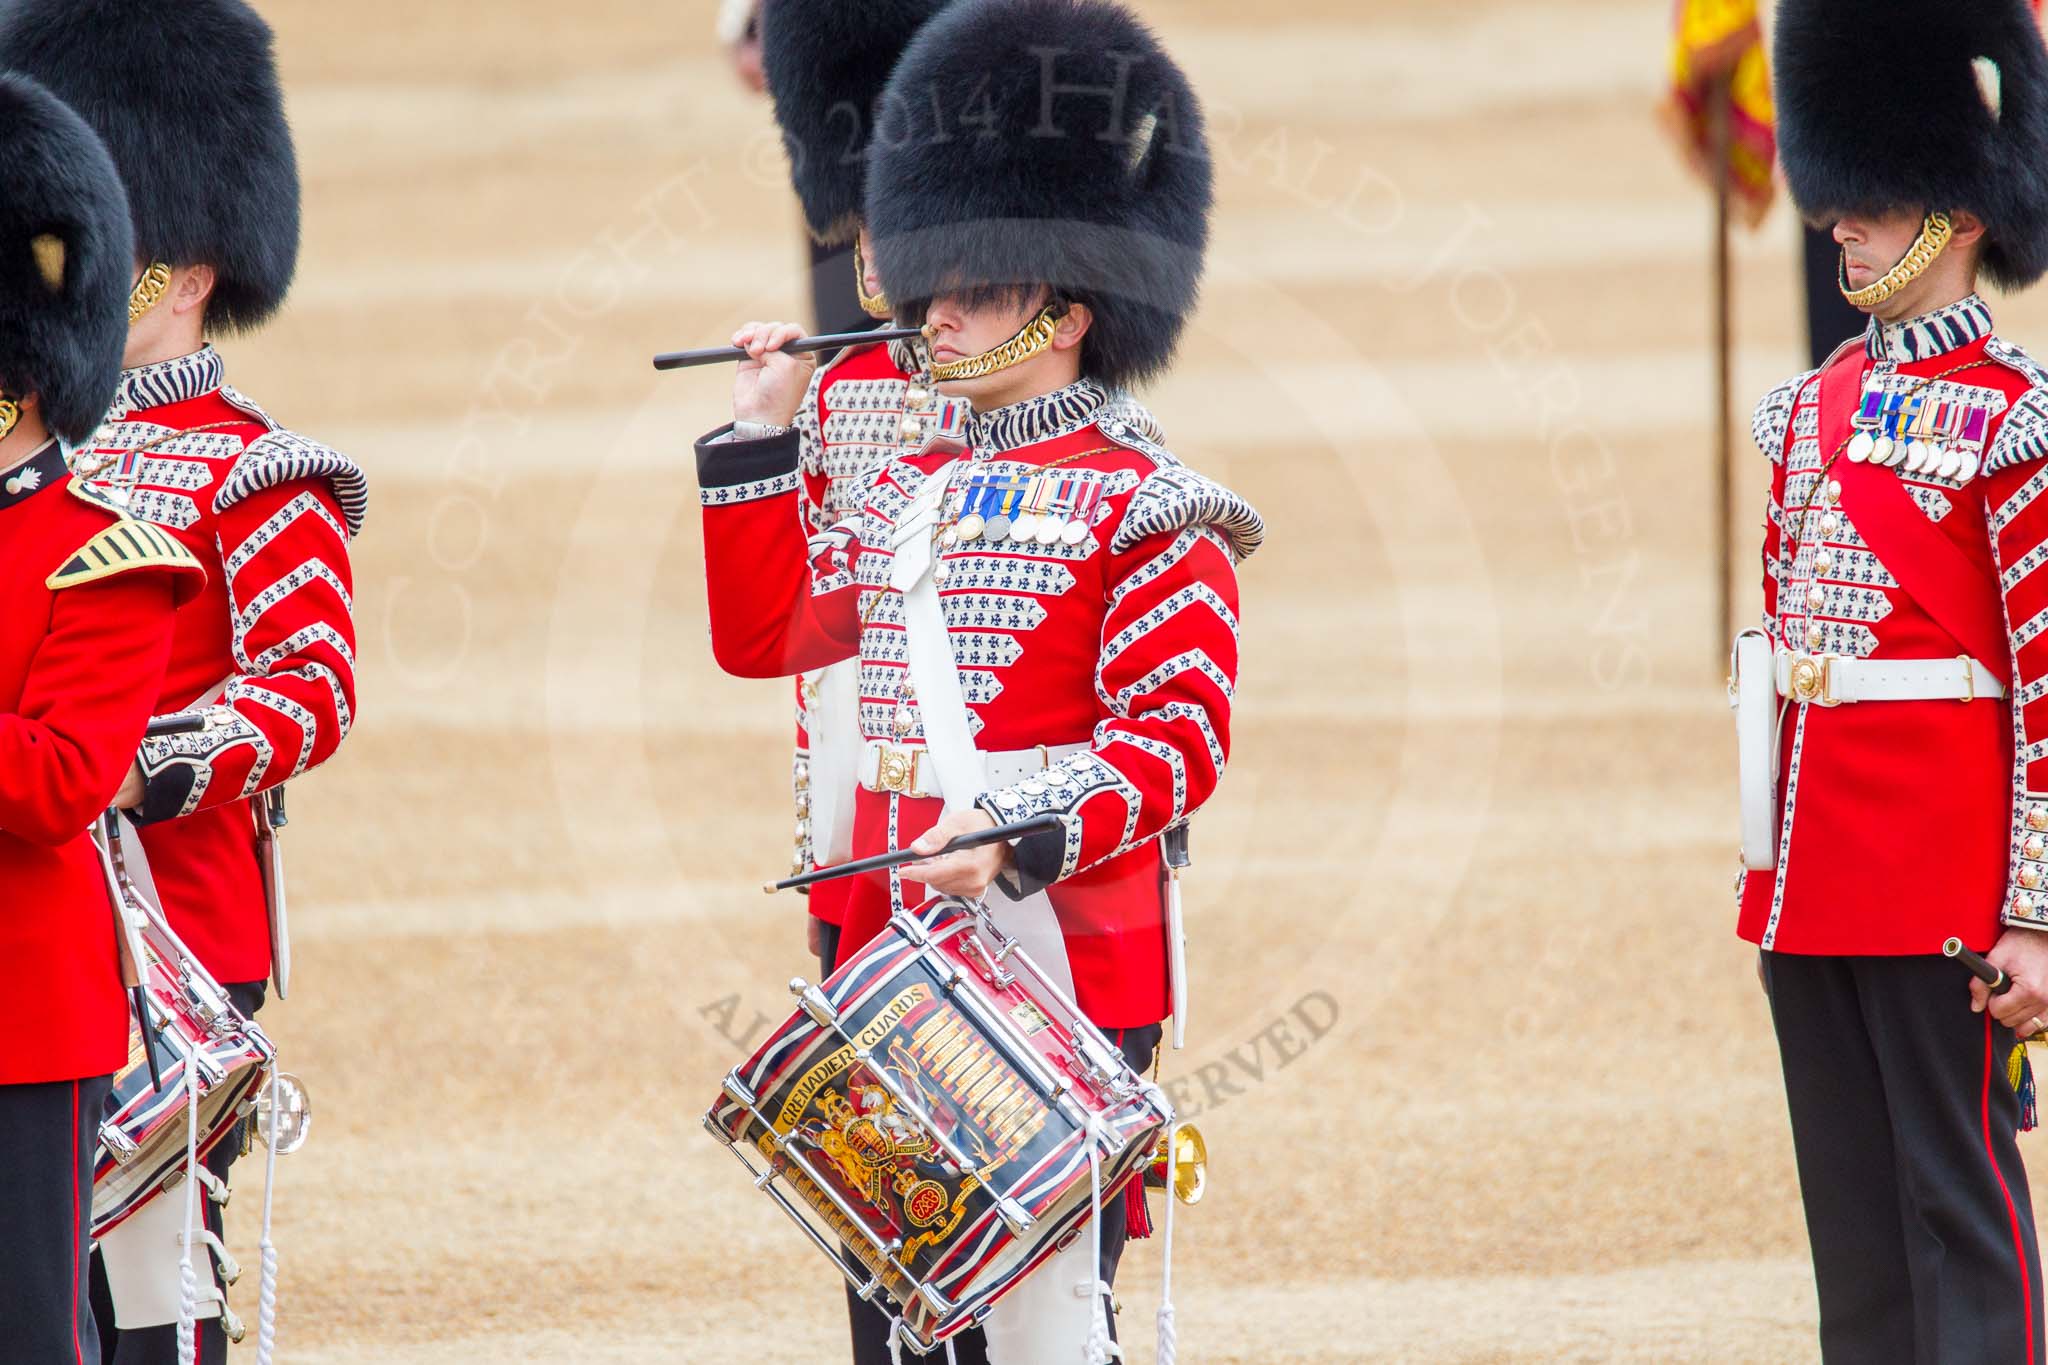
1957,587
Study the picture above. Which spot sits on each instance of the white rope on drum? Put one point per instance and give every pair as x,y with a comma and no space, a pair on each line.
266,1312
1169,1336
1101,1347
188,1279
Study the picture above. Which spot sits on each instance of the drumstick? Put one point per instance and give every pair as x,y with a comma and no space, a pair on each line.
174,725
1037,824
719,355
1991,976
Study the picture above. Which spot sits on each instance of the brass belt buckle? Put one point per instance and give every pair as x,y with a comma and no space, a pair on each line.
1969,678
1813,679
895,770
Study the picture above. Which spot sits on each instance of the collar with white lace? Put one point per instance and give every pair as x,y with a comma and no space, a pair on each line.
170,381
1043,418
1929,334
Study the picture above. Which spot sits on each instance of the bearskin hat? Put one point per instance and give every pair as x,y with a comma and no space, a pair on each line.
185,95
1920,104
826,63
1046,142
66,261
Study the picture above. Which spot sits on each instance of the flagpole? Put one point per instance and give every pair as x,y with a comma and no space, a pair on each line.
1720,96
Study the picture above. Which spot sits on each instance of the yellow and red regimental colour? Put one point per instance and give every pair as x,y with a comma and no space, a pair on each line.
1717,42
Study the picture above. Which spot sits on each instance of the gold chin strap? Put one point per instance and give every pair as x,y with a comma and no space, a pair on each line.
148,291
1036,337
1934,235
10,414
874,305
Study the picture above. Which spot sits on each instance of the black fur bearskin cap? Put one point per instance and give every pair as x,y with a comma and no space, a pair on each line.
1920,104
1046,142
66,261
827,62
185,94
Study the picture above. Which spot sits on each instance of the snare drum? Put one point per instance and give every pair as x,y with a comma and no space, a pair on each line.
932,1109
191,1026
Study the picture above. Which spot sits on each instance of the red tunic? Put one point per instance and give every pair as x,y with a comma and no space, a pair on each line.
268,649
1125,643
79,664
1905,822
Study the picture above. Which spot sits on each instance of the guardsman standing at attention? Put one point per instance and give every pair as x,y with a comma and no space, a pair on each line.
1892,710
84,635
185,95
1049,623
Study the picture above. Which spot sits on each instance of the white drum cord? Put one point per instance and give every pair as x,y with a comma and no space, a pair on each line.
1102,1348
188,1279
1169,1337
266,1311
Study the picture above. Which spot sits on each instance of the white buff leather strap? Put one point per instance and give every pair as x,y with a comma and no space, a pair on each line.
1830,679
833,722
949,740
1755,701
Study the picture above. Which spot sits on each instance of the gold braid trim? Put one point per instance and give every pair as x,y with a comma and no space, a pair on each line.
1933,239
148,291
1036,337
876,306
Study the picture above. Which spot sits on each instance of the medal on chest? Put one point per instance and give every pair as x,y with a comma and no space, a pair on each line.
1931,430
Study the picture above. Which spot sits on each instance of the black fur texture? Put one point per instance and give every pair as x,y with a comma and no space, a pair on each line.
185,95
63,345
1047,142
1879,109
827,62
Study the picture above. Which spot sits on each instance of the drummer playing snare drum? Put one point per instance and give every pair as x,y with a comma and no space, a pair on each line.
1048,624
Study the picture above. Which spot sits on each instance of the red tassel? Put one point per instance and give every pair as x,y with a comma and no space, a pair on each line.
1137,1213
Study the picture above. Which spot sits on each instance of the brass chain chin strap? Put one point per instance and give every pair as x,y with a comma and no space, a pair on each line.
876,306
1036,336
148,291
1931,242
10,416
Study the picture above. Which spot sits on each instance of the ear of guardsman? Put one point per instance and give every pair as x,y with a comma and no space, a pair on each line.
1052,141
186,97
64,247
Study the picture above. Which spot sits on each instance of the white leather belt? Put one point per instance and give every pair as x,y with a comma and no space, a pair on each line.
907,769
1831,679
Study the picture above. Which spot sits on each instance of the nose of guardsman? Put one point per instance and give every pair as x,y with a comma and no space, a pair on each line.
943,321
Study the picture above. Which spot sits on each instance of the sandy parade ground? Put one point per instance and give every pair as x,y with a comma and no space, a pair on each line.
1485,1073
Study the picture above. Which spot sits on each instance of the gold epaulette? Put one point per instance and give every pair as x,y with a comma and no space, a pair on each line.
125,546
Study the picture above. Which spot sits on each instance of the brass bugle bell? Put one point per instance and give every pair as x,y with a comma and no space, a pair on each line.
1185,1169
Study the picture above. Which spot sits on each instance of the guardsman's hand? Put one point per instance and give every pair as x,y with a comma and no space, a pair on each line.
2021,954
130,795
966,873
771,382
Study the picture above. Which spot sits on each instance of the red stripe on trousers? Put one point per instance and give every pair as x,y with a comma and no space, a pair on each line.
77,1342
2019,1247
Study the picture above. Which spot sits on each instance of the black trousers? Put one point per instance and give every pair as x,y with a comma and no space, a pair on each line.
1830,318
47,1135
159,1345
1903,1123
